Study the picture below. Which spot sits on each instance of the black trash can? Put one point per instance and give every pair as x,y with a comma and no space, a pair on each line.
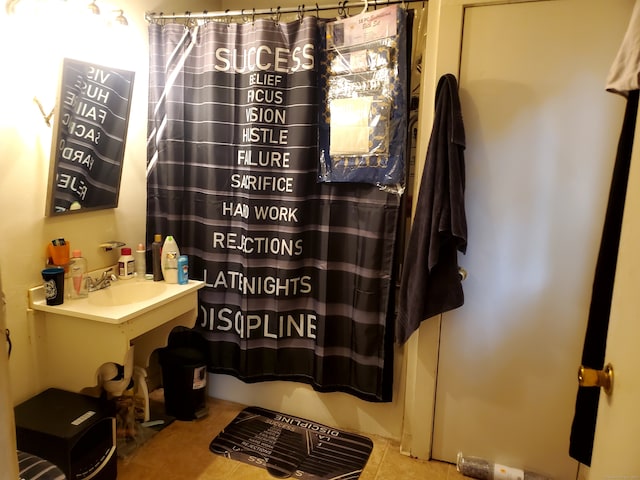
184,376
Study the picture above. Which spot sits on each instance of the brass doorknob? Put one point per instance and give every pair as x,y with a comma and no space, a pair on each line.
588,377
462,273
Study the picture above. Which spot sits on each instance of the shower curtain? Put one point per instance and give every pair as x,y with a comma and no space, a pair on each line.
299,274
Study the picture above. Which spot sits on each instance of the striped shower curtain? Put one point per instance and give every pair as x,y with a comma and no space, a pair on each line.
299,274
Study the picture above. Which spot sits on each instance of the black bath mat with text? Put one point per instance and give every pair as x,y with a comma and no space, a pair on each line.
288,446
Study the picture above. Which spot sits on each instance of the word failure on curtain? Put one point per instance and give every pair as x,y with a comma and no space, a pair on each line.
299,273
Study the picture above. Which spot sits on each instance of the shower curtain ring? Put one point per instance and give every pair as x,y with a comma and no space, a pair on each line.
253,16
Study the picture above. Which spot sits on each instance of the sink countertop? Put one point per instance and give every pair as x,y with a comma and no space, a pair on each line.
114,314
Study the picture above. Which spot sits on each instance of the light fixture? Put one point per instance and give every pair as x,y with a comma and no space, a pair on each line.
93,8
121,18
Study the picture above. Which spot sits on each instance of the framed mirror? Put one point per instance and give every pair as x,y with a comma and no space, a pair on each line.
90,130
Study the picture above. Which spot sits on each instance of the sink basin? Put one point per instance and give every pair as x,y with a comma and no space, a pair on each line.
126,292
121,302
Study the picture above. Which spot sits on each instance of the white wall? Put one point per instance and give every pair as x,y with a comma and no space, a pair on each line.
7,427
32,52
32,70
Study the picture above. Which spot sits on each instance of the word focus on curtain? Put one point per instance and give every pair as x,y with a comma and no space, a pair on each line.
299,274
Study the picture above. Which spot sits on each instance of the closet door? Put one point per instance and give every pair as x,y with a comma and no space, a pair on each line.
541,143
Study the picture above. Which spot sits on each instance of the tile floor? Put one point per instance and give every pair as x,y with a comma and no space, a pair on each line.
181,452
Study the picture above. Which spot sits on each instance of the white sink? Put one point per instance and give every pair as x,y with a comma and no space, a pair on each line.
126,292
124,300
75,338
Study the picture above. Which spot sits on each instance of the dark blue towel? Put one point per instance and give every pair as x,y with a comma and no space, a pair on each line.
430,281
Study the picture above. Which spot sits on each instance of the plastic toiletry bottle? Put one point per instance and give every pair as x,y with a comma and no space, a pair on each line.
126,264
78,274
141,261
481,469
156,257
183,269
170,255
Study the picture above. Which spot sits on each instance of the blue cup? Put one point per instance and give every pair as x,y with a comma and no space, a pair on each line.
53,285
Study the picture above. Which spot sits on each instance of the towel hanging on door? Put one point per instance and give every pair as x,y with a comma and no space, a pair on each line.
430,281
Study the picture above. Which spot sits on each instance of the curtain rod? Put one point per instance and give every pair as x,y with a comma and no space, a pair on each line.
300,9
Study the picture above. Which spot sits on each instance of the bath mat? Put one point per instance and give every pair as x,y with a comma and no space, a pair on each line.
288,446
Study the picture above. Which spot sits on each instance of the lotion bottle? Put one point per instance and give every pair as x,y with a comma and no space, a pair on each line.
156,257
170,255
78,275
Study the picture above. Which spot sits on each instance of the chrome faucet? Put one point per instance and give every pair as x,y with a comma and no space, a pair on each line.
103,282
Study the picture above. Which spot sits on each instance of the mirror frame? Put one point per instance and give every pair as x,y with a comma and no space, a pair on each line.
89,137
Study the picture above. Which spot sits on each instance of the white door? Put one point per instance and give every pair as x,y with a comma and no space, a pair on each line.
541,142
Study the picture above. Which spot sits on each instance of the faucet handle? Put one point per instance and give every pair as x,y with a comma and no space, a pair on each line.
108,276
102,281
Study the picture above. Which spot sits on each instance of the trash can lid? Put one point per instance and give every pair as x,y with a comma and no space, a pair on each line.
181,356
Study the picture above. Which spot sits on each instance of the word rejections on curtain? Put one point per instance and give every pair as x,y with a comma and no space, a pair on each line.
299,273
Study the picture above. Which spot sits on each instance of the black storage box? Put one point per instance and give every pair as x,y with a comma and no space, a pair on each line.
75,432
184,375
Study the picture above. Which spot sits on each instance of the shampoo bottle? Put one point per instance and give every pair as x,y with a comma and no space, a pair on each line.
156,257
78,275
170,255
